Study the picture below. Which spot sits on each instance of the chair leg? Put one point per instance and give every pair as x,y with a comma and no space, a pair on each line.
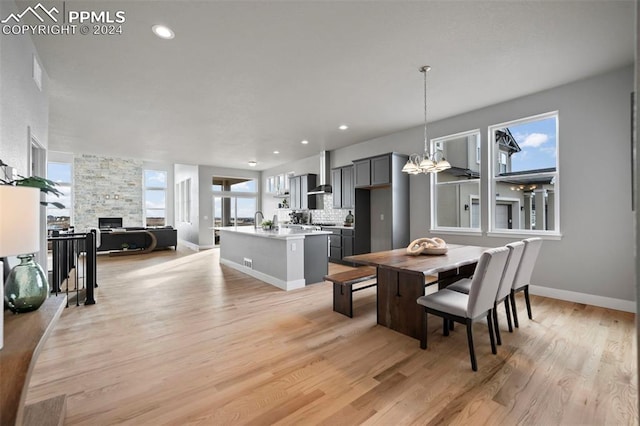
472,353
445,327
493,342
495,324
508,311
526,298
423,334
513,308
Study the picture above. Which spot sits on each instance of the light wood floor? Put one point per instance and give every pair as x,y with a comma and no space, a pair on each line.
178,339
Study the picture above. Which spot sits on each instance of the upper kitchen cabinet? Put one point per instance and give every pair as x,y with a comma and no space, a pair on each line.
378,171
298,188
342,184
362,173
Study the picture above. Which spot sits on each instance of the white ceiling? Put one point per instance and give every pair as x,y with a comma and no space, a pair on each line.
242,79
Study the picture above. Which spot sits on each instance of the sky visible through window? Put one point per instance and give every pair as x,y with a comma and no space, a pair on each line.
538,141
155,199
59,172
155,178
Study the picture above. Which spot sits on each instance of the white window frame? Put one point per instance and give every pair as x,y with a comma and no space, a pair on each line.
503,164
155,188
439,142
492,179
70,185
238,194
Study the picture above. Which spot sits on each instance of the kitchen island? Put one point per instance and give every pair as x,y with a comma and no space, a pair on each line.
286,258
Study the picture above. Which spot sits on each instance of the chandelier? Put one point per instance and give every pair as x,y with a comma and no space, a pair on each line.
426,163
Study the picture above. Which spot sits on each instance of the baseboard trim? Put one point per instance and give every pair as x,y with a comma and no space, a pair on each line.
588,299
281,284
189,245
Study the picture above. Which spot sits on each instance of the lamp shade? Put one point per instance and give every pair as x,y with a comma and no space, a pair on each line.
19,220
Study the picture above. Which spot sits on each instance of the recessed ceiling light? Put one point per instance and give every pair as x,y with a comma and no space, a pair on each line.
163,31
253,163
304,142
343,127
276,152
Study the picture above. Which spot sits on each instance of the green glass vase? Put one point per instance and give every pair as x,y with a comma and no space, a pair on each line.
26,287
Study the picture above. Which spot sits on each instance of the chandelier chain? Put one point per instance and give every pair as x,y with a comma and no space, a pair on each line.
424,72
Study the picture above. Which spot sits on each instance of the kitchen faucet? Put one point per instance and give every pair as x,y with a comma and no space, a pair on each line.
255,218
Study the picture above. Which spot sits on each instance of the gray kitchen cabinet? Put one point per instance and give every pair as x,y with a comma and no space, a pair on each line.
362,173
347,243
336,187
335,245
381,170
298,188
375,171
342,184
348,194
341,243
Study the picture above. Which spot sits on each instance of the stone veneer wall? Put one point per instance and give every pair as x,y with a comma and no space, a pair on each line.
95,179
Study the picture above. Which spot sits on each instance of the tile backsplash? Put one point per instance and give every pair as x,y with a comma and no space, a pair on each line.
326,215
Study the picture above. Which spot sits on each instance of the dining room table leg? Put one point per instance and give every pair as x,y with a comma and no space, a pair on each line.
397,295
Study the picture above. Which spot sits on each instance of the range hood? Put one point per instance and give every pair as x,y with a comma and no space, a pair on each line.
325,173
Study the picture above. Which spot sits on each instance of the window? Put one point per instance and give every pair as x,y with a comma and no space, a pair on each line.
503,162
62,174
155,197
524,175
183,201
455,194
235,201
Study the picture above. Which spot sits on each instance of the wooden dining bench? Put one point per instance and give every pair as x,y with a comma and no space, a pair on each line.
343,289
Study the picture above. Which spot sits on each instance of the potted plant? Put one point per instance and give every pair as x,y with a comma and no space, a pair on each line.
267,224
44,185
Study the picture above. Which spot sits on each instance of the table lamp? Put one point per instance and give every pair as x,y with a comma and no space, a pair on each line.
20,236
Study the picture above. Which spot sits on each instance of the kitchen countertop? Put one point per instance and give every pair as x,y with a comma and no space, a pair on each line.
338,227
281,233
299,225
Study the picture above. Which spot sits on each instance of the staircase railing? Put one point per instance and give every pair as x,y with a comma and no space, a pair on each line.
74,256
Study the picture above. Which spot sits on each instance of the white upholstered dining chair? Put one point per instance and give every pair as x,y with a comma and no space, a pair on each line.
467,308
504,290
523,275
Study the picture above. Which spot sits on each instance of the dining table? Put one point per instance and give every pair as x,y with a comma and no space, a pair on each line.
402,280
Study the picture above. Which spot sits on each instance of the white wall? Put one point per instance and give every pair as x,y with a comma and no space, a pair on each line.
595,255
22,104
24,109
